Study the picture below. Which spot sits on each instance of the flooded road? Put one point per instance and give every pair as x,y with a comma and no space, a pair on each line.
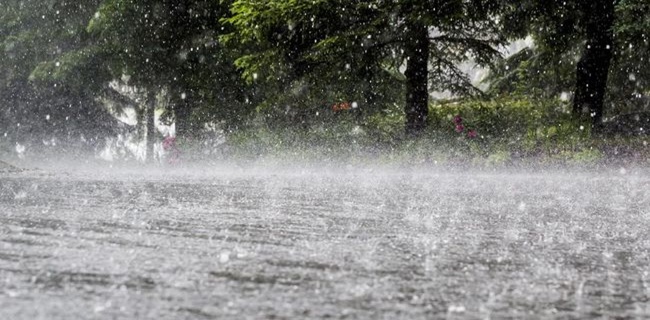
352,244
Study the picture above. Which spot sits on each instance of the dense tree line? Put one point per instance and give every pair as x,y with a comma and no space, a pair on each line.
211,61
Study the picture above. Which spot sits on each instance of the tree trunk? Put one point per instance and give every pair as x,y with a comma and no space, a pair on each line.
417,93
369,89
151,125
593,66
182,116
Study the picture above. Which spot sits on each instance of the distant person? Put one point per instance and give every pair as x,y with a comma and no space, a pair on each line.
172,154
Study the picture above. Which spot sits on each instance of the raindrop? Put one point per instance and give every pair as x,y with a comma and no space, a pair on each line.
456,309
521,206
20,195
224,257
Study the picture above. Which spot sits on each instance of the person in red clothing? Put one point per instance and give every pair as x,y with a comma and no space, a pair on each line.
172,153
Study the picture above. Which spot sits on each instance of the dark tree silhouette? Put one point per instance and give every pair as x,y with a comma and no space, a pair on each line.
593,66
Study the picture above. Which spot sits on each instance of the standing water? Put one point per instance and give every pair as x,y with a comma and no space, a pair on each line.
351,243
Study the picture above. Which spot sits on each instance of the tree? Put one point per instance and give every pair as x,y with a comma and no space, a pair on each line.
608,39
39,113
156,47
146,40
593,67
629,81
173,45
424,41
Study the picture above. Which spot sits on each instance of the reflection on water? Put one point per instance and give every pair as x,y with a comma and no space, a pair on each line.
416,244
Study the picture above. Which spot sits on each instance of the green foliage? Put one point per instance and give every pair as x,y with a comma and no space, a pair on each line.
533,72
558,30
354,50
523,126
584,156
548,68
386,126
630,77
40,107
174,45
336,141
510,130
82,68
285,63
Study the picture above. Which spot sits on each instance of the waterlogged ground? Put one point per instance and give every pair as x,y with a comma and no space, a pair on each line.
306,243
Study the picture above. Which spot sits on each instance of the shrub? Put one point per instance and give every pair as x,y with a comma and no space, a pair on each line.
466,131
523,126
